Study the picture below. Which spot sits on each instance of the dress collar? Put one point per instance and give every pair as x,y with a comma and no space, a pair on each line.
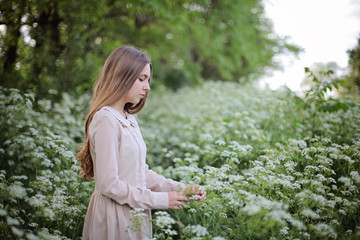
125,122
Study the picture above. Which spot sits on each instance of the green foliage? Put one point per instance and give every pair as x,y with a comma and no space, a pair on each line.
353,79
41,194
173,78
320,97
253,151
62,44
320,90
50,44
269,171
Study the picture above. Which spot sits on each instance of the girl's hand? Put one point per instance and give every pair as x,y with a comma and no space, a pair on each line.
195,192
175,200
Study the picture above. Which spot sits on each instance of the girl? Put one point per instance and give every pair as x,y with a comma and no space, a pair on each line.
114,153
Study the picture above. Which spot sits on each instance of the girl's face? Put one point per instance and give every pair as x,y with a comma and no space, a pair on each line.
140,87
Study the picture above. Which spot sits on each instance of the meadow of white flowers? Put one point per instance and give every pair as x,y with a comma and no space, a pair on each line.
273,165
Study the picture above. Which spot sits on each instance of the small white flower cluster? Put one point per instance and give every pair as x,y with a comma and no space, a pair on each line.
138,212
164,221
199,231
17,190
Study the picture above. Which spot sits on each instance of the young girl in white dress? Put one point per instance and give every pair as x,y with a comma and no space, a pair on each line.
114,153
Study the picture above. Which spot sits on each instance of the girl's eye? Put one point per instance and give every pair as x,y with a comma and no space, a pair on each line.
141,80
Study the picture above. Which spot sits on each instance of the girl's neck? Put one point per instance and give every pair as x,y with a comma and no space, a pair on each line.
120,107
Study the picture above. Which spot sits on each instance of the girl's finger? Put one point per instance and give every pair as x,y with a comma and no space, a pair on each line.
183,198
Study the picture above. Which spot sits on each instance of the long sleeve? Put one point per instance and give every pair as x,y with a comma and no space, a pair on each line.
104,133
159,183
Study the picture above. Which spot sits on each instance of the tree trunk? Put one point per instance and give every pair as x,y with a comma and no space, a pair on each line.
12,20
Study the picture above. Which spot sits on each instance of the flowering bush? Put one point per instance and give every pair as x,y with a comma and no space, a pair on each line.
41,195
271,168
269,171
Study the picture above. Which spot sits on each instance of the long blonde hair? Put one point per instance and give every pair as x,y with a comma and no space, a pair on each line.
120,71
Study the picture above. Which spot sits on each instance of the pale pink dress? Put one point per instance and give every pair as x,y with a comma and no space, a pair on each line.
123,180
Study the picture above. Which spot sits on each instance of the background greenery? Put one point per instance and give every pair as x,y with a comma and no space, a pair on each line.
275,165
61,44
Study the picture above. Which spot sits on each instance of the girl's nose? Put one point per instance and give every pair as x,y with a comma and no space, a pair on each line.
147,86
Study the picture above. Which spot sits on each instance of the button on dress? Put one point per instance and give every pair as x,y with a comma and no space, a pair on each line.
123,180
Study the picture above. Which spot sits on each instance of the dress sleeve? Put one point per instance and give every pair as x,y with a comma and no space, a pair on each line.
105,136
159,183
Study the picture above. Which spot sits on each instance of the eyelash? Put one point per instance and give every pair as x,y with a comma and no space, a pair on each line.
141,80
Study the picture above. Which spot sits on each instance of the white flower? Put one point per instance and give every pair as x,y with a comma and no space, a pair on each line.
2,173
199,230
278,215
284,231
355,176
44,234
22,177
227,154
206,137
37,200
192,210
342,211
345,180
12,221
306,235
334,221
218,238
18,232
17,191
325,230
31,236
33,225
49,213
348,159
251,209
306,195
310,213
220,142
195,197
163,219
139,212
297,143
3,212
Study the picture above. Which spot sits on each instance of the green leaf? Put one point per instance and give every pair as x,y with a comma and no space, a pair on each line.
342,82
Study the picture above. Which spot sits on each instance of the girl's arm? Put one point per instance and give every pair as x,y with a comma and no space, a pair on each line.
159,183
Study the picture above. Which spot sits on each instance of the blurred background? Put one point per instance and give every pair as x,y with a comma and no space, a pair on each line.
61,45
325,29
